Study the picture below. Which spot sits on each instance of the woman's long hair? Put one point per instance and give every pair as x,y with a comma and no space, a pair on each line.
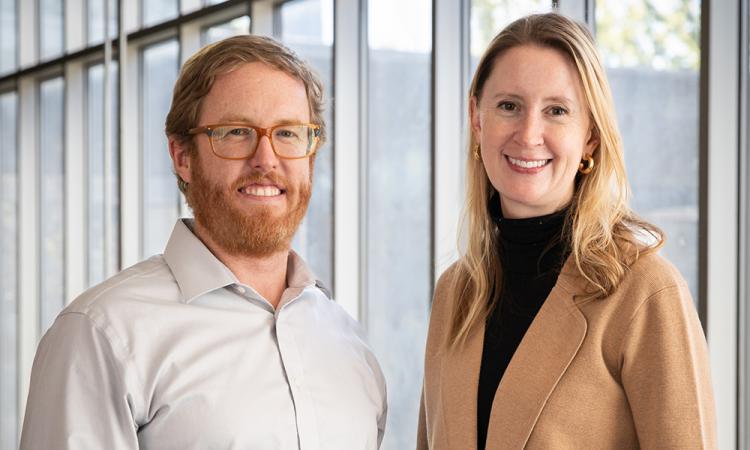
604,235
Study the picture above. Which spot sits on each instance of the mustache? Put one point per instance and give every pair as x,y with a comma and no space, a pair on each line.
260,177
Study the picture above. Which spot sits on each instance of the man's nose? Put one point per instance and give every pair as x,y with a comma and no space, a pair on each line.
264,158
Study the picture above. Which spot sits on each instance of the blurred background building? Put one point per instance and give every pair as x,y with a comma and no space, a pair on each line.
86,186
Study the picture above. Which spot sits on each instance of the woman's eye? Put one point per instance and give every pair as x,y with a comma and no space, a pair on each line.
507,106
558,111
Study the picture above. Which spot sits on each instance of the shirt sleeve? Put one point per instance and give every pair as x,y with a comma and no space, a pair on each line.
383,416
666,374
77,397
381,424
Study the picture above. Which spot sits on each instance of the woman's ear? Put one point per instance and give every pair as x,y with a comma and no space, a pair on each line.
593,141
178,150
476,123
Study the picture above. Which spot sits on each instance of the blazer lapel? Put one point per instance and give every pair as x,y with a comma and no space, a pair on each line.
547,348
459,384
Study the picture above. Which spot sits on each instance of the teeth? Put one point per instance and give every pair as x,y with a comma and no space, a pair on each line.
262,191
528,164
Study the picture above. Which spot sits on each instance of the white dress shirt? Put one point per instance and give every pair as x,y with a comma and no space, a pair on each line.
175,353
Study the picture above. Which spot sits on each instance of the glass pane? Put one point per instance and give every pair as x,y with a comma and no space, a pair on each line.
239,25
399,240
314,239
161,198
8,41
307,22
101,263
52,200
95,23
488,17
156,11
8,271
51,31
652,54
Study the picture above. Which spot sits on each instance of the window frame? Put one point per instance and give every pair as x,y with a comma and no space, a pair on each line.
4,90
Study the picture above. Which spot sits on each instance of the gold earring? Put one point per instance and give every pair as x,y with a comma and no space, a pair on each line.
586,165
477,154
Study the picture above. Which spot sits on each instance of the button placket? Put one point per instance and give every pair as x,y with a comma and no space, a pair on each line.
291,360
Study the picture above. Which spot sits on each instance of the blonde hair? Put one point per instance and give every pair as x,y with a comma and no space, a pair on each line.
198,74
604,235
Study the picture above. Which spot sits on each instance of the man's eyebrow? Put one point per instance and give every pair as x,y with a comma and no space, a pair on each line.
244,119
234,118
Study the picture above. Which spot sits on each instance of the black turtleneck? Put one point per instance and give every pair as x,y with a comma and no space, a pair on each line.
531,255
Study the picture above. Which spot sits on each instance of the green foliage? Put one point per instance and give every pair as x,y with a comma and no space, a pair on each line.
488,17
663,35
659,34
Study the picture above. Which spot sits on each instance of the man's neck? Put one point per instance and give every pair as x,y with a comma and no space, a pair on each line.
265,274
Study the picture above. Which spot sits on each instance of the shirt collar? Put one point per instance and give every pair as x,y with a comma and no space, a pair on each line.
298,275
197,271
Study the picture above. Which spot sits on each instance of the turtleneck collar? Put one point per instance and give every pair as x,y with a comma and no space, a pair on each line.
531,245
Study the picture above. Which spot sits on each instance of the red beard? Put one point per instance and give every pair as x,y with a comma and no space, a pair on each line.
257,233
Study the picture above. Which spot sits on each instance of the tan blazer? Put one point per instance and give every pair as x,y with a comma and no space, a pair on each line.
628,371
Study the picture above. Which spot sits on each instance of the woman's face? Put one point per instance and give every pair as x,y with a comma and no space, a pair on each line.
533,126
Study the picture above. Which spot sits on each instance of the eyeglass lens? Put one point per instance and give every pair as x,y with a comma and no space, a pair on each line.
291,141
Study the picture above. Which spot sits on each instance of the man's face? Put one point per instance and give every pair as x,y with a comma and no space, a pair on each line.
250,207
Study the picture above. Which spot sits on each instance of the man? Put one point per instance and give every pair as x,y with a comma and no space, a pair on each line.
226,340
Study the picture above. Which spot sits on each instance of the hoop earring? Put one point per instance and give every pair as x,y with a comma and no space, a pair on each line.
586,165
477,154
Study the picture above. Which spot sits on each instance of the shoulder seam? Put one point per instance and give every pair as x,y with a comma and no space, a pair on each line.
122,362
636,312
109,288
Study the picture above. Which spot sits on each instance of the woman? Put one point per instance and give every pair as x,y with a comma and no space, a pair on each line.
560,327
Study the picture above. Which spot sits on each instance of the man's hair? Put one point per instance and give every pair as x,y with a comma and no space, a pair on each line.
603,233
198,74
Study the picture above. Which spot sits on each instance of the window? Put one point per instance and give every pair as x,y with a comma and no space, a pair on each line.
651,51
488,17
8,32
398,240
744,239
394,172
51,200
156,11
8,271
96,20
103,236
307,27
51,29
239,25
161,198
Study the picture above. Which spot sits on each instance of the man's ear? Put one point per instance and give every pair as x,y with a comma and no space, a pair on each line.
179,151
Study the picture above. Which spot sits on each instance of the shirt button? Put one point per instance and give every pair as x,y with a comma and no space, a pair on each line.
240,290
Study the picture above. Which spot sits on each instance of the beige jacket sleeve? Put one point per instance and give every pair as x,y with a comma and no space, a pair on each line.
421,430
666,373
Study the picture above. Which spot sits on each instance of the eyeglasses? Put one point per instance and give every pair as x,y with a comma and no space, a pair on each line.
240,140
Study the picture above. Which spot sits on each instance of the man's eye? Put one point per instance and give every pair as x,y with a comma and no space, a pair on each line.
239,131
286,133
